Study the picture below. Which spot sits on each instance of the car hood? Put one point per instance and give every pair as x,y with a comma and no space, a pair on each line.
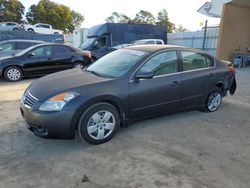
62,81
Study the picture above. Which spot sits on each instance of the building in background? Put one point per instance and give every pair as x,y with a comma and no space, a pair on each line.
234,32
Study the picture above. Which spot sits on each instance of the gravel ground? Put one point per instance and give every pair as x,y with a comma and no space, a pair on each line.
184,150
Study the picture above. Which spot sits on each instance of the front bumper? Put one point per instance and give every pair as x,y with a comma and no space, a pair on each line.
56,125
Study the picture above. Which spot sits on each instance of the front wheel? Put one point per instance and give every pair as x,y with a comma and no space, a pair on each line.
99,123
13,74
214,100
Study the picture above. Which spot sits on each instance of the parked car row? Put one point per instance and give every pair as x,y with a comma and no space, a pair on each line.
40,28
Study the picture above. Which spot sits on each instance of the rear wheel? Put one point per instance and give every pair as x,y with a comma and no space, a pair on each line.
99,123
78,65
13,74
15,29
56,33
31,30
214,100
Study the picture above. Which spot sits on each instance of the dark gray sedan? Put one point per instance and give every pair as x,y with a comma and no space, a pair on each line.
126,85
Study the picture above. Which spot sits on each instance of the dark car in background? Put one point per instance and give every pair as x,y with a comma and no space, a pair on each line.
42,59
126,85
11,47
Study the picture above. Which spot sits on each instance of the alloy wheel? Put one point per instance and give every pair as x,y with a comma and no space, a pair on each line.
13,74
101,124
214,101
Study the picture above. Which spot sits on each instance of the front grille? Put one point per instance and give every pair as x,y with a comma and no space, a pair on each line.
29,100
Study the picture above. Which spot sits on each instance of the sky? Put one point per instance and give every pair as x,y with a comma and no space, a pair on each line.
182,12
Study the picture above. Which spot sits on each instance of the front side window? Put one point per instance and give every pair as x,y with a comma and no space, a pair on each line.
117,63
100,43
161,64
10,24
193,61
42,51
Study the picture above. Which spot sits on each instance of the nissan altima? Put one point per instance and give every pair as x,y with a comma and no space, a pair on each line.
126,85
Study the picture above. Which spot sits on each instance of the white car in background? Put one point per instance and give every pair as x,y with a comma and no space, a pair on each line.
10,26
42,28
147,41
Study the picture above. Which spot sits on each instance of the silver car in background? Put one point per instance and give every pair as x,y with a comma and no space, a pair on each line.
10,26
11,47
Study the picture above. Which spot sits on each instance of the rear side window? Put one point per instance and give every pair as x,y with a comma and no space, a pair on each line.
58,50
8,46
150,42
193,61
161,64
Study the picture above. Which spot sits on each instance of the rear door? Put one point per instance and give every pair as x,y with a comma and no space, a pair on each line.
62,57
197,77
160,94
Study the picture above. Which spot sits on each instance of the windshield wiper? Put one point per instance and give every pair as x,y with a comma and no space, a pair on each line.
93,72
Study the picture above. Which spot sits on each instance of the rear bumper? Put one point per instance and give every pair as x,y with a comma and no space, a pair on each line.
54,125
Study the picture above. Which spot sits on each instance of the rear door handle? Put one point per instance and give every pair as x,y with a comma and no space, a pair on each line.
175,83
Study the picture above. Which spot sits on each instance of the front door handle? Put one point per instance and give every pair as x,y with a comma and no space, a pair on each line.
211,75
175,83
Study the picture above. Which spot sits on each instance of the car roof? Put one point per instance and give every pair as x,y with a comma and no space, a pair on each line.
155,48
22,40
149,40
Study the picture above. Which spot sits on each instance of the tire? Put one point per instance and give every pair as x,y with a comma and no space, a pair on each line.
15,29
55,33
214,100
99,123
78,65
31,30
13,74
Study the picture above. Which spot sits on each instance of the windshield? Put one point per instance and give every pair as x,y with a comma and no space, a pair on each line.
117,63
87,43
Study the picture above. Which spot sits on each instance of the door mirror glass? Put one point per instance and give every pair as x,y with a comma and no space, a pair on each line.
144,75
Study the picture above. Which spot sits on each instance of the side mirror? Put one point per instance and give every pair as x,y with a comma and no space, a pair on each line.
144,75
0,49
31,54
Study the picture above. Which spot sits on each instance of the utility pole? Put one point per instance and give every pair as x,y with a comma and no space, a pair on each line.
205,36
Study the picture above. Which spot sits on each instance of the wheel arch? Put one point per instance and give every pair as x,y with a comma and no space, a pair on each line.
114,101
18,66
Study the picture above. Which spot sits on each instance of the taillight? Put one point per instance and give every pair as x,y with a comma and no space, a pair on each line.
231,69
87,54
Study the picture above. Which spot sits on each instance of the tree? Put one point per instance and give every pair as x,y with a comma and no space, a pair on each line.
144,17
59,16
180,28
118,18
163,19
11,10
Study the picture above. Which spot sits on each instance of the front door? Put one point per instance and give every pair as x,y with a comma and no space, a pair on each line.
160,94
39,61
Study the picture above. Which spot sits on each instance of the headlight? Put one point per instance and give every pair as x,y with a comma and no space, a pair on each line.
57,102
